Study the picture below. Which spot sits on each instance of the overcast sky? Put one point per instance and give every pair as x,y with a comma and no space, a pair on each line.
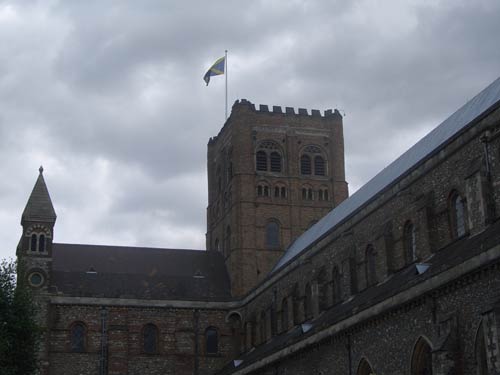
108,96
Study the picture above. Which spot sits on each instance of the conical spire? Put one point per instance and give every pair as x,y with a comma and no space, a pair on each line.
39,206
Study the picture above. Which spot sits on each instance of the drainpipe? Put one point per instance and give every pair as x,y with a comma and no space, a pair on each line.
103,360
196,316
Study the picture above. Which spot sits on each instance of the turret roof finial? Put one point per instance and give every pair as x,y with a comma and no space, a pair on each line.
40,169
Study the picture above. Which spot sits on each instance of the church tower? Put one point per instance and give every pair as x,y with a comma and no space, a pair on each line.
35,246
271,175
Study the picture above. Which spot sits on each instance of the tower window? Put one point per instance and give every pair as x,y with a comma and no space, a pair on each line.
261,161
272,235
275,162
33,242
268,157
313,156
150,339
319,166
305,165
41,243
211,340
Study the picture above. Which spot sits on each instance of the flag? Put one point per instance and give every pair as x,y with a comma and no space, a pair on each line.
215,70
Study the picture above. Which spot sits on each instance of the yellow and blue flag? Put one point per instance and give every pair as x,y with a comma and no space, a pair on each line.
216,69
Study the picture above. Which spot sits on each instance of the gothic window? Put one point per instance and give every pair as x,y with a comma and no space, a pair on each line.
268,157
480,352
78,333
319,166
308,302
283,192
272,235
305,165
211,340
370,263
312,161
263,190
275,162
421,362
337,287
364,368
410,244
150,339
457,217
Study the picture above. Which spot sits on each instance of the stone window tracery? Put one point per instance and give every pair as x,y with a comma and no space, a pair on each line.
313,161
269,157
421,363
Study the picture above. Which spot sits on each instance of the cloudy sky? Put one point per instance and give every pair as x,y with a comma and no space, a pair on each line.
108,96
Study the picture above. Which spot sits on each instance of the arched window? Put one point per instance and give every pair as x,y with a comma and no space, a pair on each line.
78,337
312,156
276,191
275,162
272,235
33,242
421,362
323,194
261,161
41,243
364,368
283,192
150,339
457,217
319,165
410,243
305,165
337,287
308,302
480,352
268,157
217,244
284,315
370,262
211,341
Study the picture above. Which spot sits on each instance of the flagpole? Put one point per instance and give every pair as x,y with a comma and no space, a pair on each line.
225,73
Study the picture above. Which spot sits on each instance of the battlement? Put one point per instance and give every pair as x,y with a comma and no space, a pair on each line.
289,111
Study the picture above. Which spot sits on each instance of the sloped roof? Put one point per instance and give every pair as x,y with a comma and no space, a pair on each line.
39,206
411,158
137,272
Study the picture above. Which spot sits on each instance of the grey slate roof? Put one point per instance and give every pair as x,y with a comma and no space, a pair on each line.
450,256
143,273
453,125
39,206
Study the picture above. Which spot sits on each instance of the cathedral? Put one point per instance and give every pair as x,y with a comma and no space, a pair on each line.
297,278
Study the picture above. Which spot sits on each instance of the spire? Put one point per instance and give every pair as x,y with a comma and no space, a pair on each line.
39,206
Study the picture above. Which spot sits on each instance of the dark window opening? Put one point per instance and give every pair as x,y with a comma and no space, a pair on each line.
325,195
308,302
304,193
319,166
259,190
261,161
276,192
275,162
421,363
266,191
305,165
212,340
77,338
150,337
309,194
283,192
33,242
284,315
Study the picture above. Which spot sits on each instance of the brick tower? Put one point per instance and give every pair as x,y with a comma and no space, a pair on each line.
271,175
